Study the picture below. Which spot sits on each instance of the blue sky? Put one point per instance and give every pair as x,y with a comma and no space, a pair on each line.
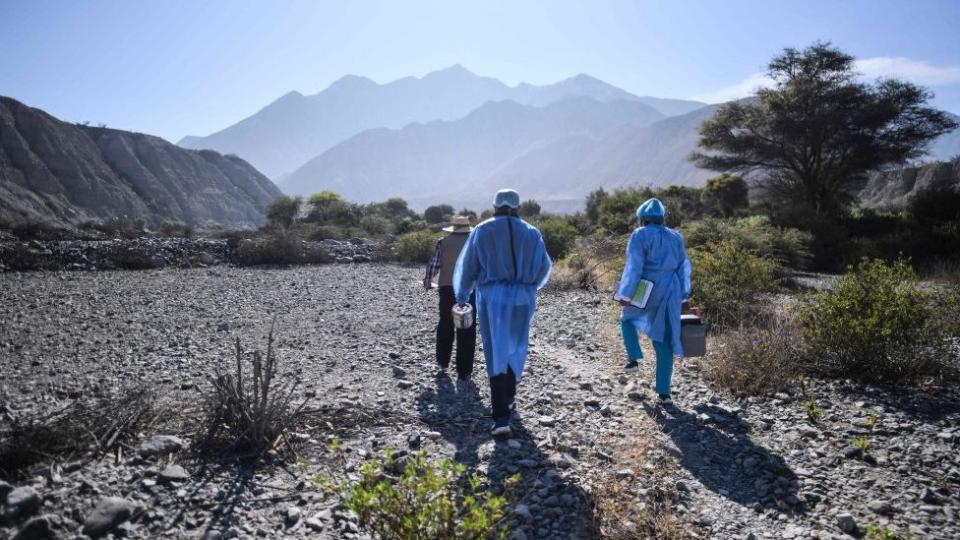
178,67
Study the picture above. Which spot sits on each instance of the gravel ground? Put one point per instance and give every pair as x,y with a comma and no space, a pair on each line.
360,337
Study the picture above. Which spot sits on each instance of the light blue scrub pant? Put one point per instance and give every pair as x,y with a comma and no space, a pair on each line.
664,350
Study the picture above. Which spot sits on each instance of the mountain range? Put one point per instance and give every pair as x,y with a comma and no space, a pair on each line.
295,128
67,173
453,136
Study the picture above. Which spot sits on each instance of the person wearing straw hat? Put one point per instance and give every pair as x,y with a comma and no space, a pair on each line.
441,267
506,262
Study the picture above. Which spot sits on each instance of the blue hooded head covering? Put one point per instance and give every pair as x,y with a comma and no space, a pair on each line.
652,210
508,198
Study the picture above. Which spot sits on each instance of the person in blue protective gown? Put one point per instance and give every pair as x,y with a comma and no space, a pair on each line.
655,253
506,262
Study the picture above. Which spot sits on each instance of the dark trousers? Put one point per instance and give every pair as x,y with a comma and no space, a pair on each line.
466,337
503,390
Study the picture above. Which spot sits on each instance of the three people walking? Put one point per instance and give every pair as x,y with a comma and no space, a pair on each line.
499,266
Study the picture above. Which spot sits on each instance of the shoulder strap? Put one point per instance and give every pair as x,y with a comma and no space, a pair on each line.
513,252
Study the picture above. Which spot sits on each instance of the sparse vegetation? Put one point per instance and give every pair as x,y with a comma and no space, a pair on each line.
400,497
279,248
728,281
78,428
417,247
756,359
877,325
813,411
247,409
558,235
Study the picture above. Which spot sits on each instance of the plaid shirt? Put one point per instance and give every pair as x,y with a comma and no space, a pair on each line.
433,267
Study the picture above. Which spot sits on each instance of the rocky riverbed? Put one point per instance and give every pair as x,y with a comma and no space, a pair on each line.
156,252
359,338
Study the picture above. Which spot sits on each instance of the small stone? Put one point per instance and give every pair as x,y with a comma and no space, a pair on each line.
414,440
315,524
523,511
846,523
882,507
38,528
293,515
4,489
109,512
160,445
23,501
399,372
514,444
547,421
394,355
930,496
404,384
625,473
636,396
173,473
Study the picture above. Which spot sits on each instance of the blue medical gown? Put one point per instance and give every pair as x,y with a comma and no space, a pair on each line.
506,297
656,253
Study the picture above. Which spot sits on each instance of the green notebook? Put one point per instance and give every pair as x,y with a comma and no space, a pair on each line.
641,296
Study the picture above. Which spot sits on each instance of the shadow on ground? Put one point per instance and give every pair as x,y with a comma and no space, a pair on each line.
545,505
716,449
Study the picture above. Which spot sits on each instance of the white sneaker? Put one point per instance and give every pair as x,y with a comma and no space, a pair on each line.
501,429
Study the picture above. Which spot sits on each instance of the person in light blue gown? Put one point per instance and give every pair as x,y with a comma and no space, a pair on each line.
506,262
655,253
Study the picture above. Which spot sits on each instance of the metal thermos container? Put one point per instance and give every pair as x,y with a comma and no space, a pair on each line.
462,316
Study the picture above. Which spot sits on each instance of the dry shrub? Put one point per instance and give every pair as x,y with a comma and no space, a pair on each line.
248,410
756,360
79,429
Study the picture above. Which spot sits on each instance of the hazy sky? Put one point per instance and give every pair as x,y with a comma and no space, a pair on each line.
178,67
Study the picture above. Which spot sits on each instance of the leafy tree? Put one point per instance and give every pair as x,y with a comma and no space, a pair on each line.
594,198
282,212
725,195
618,210
819,131
322,204
529,208
469,213
683,204
437,213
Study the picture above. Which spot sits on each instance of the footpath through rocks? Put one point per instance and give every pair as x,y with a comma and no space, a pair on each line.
592,448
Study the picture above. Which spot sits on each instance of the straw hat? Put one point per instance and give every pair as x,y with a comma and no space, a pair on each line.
459,224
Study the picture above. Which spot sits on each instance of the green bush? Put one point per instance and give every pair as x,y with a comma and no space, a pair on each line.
877,325
417,247
376,225
558,235
438,213
175,229
279,248
617,211
786,247
283,211
728,280
411,497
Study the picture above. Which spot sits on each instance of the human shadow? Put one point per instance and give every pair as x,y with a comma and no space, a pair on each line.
715,447
543,504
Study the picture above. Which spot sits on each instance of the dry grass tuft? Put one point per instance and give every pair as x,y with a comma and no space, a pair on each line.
640,504
81,429
249,410
756,360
